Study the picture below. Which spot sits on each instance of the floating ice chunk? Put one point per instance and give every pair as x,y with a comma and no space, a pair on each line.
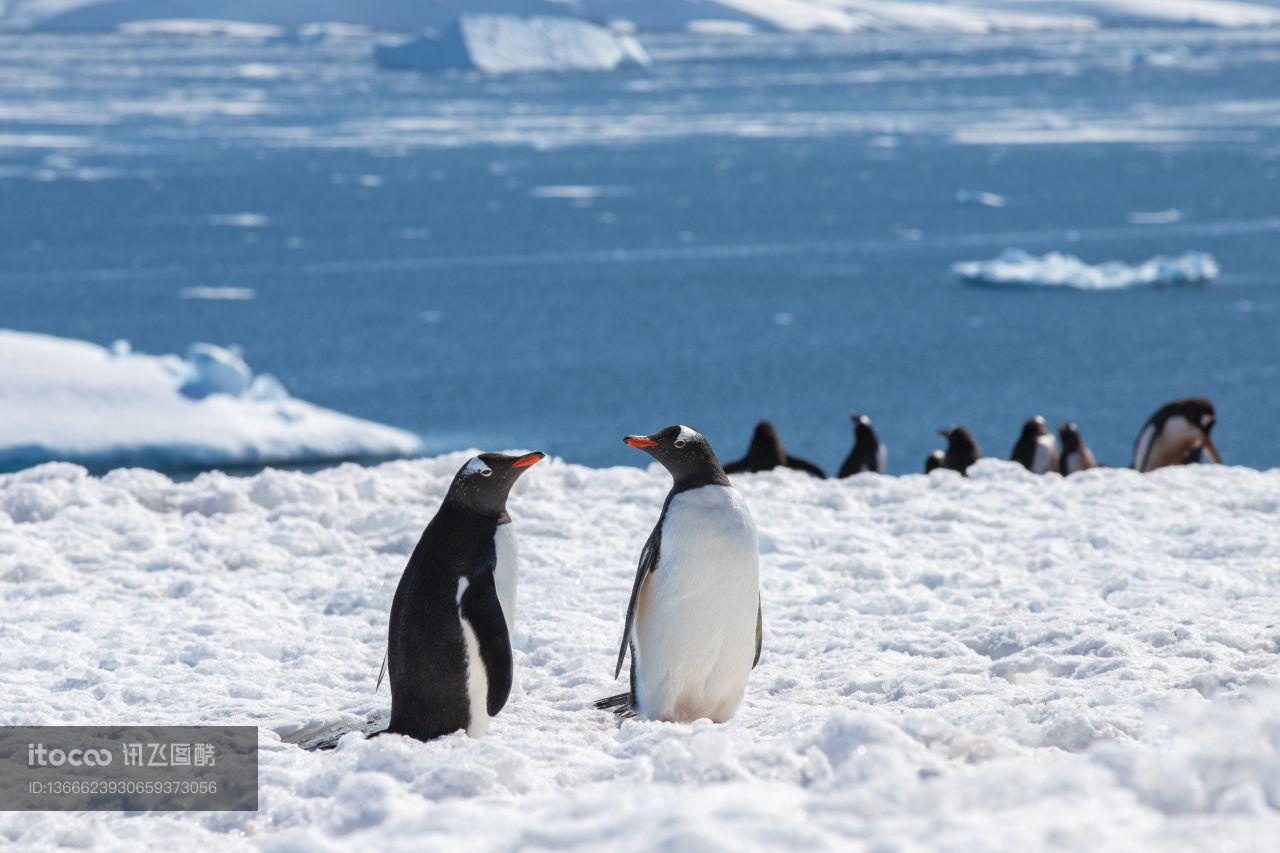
200,27
1016,268
979,198
1155,217
507,44
239,220
75,401
232,294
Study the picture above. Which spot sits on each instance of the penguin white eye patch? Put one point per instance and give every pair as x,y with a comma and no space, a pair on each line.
686,435
476,466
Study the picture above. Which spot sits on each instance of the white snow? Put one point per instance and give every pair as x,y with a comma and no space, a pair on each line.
1002,662
1016,268
65,399
505,44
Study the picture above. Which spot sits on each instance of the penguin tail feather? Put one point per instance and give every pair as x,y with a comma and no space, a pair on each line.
619,704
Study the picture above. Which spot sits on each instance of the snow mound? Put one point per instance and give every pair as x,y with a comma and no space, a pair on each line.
504,44
1087,663
76,401
1016,268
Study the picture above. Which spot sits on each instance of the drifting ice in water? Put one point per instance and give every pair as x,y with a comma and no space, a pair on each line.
506,44
76,401
1016,268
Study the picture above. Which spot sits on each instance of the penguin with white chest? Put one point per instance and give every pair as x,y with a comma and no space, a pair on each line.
1036,450
1076,455
693,624
449,642
1172,435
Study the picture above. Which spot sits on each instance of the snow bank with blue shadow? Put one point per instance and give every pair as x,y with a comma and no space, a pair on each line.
75,401
508,44
1018,269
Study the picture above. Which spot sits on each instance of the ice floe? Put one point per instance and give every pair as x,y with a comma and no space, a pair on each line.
1002,662
76,401
506,44
1016,268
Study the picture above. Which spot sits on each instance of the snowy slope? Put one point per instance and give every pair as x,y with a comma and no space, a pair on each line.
1005,662
786,15
71,400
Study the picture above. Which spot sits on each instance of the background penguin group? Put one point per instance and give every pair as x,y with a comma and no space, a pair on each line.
693,624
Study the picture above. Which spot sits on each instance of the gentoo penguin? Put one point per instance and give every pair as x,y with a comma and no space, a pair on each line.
1173,432
766,453
449,643
692,635
962,450
1076,455
935,460
868,454
1036,449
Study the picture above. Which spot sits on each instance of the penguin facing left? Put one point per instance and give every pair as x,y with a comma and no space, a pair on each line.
1036,450
868,454
766,453
449,640
690,630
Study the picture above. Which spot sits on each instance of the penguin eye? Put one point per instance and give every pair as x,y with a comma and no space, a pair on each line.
487,472
679,442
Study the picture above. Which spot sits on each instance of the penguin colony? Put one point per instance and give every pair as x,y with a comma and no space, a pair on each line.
693,627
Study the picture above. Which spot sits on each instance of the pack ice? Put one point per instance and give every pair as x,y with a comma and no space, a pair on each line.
507,44
999,662
1016,268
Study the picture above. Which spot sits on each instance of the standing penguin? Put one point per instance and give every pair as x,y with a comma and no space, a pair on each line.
1173,432
1076,455
1035,449
449,643
935,460
962,450
766,453
868,454
689,627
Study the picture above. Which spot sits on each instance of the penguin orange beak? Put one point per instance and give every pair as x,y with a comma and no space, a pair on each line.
530,459
640,441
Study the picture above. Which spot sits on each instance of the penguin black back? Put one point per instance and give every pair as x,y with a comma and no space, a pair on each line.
448,645
767,452
867,453
962,451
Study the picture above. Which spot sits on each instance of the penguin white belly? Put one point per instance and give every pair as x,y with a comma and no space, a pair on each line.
477,678
1173,441
1046,455
882,459
504,574
695,625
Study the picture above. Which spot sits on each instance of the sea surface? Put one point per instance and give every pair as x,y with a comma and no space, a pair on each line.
752,228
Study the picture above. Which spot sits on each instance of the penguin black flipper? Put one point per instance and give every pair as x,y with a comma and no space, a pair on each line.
805,466
648,563
483,612
759,634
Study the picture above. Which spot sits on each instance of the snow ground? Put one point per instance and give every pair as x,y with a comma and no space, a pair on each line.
72,400
1016,268
1002,662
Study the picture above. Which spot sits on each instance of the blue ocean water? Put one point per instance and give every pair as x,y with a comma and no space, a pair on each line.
755,228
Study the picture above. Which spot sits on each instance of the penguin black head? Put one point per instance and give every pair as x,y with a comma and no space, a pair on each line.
766,444
862,430
685,453
1035,427
1070,437
934,461
482,485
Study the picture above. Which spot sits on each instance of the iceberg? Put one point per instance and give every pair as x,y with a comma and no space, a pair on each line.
1016,268
74,401
507,44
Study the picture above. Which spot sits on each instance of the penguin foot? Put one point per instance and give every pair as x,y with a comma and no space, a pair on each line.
620,705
